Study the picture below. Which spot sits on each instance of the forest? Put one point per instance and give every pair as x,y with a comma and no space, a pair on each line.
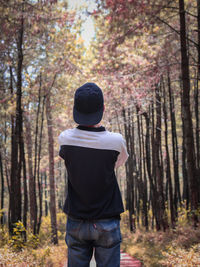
145,55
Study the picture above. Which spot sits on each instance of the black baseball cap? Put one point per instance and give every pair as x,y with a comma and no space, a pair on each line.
88,104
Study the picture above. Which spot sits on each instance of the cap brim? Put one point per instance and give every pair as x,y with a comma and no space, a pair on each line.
88,119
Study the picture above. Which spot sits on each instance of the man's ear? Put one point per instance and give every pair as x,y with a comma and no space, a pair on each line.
103,107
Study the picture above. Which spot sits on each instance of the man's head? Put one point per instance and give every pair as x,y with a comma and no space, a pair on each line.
88,104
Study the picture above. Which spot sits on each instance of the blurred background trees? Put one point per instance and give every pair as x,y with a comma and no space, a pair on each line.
146,57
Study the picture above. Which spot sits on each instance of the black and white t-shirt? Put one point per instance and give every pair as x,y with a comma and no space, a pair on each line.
91,155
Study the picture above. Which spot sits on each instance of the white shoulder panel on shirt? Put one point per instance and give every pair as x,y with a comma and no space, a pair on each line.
99,140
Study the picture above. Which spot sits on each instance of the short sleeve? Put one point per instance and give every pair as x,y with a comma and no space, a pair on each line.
61,152
123,155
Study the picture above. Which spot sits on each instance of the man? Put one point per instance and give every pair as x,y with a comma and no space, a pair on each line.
93,203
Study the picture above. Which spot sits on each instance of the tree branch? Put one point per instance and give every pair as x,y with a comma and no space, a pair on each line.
172,28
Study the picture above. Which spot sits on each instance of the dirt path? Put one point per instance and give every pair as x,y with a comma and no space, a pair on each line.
126,261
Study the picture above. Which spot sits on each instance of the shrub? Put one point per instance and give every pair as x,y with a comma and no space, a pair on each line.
45,230
17,240
4,236
61,224
32,241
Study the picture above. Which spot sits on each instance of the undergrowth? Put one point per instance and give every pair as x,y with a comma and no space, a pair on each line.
174,248
37,250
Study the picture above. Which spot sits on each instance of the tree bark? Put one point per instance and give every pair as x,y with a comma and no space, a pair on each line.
197,100
46,194
25,208
129,172
154,186
38,167
144,192
168,167
188,125
2,191
32,182
16,164
159,175
177,193
51,171
36,147
186,194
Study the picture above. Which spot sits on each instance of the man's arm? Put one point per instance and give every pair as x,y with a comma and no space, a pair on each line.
123,156
61,152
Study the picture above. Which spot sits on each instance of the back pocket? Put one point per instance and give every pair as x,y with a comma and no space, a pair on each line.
109,233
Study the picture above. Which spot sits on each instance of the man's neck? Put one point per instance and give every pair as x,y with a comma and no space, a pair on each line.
93,126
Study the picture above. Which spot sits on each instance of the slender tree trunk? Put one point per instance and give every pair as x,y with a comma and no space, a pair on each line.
145,196
155,190
51,170
189,139
168,167
159,177
197,100
32,182
12,155
186,195
16,164
2,191
197,130
46,194
25,209
177,194
135,171
38,167
40,183
154,187
36,148
129,171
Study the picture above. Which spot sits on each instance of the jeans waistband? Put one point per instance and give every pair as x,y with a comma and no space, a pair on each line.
93,220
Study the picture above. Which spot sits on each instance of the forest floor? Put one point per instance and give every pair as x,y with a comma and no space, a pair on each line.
175,247
126,261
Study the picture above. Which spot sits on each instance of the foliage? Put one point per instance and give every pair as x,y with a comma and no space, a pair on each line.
17,240
35,251
45,229
4,236
61,224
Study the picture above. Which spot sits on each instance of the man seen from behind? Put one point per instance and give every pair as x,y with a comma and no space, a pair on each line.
93,203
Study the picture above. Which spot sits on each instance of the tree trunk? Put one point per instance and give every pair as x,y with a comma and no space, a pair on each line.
16,164
46,194
159,174
197,99
25,209
38,168
129,172
177,194
186,195
189,138
2,191
36,147
145,196
51,171
32,182
168,167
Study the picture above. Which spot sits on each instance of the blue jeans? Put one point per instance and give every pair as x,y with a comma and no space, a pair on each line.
102,236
